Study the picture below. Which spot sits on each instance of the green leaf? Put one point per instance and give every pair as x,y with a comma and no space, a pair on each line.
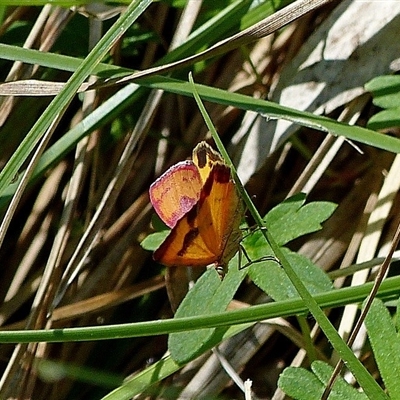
301,384
386,94
287,221
153,241
210,295
385,119
272,279
385,91
386,346
292,219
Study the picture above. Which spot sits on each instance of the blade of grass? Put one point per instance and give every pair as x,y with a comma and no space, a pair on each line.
389,290
263,28
275,111
124,98
367,382
158,371
134,10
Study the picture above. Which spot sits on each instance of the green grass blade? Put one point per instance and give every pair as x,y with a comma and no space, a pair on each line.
389,290
58,104
366,381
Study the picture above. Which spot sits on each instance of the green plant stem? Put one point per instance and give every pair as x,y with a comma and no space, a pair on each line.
308,343
389,290
367,382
